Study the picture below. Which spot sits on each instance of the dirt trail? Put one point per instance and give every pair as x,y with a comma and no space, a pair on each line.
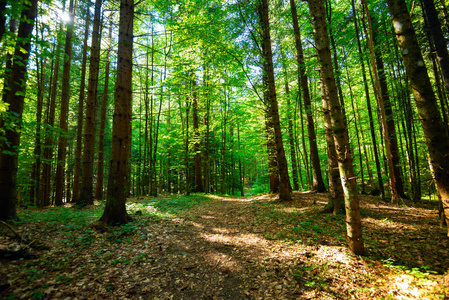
254,248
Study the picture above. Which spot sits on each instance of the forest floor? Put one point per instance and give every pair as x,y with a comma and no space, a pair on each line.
211,247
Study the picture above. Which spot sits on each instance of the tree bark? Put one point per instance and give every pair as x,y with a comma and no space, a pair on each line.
86,196
386,112
64,111
79,127
435,132
104,103
119,180
36,169
196,136
284,184
15,96
336,197
368,104
438,39
344,156
317,179
291,139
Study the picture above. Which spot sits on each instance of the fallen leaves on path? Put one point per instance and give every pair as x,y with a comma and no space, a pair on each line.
233,248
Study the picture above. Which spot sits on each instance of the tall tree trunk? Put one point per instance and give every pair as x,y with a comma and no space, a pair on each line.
119,180
386,112
334,56
357,132
272,159
86,196
336,197
438,39
36,169
196,136
344,156
9,58
291,139
15,96
435,132
368,104
186,154
48,143
64,112
317,181
284,184
79,127
104,104
207,138
223,142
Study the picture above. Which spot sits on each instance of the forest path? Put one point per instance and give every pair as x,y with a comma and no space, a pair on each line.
239,248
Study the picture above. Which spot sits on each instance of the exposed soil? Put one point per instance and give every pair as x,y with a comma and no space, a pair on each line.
240,248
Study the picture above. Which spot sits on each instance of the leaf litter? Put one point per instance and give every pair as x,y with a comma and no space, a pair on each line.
212,247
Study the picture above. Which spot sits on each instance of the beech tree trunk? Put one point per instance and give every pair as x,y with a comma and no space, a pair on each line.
284,184
86,196
119,180
435,132
15,96
64,112
344,156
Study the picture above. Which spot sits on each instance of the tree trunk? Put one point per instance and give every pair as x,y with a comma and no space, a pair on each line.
271,151
386,112
86,196
15,96
284,184
196,136
119,180
104,103
79,127
291,139
64,112
334,56
439,40
357,132
36,169
435,132
317,180
368,104
336,196
207,138
344,157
